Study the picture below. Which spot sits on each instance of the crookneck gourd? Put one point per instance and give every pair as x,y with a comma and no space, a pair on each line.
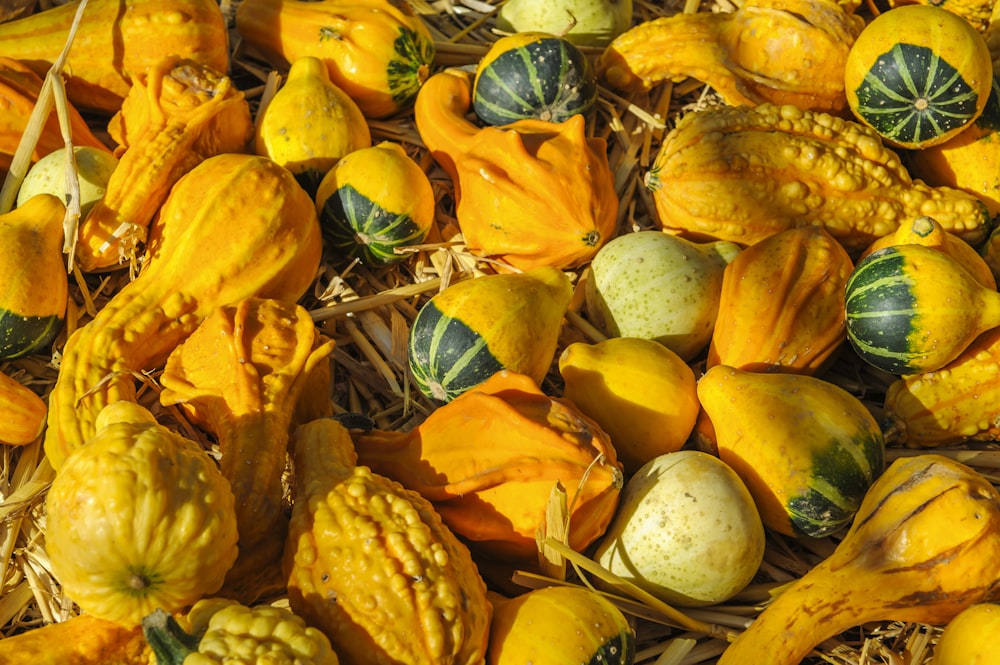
239,376
742,174
530,193
177,114
19,89
489,461
776,51
139,519
782,304
959,402
406,590
922,548
35,287
116,41
233,227
220,631
22,412
377,51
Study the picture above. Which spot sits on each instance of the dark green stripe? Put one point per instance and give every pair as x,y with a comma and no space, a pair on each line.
355,226
24,335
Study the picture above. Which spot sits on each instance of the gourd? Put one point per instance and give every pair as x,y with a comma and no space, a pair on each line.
34,297
745,55
966,639
742,174
955,404
531,193
406,589
970,160
93,168
976,12
912,308
928,232
234,226
240,376
82,639
177,114
533,75
490,459
476,327
921,548
139,518
561,625
374,201
376,51
918,74
687,531
583,22
781,305
658,286
19,90
640,392
310,124
113,43
22,412
806,448
221,630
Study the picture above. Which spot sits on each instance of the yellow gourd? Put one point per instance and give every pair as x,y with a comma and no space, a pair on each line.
139,518
970,638
310,124
22,412
406,589
922,548
233,227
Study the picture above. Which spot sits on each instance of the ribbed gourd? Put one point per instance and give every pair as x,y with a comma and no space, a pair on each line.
32,269
374,201
406,589
913,308
918,74
533,75
806,448
310,123
476,327
139,518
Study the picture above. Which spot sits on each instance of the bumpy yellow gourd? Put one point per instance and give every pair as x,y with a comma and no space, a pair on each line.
310,123
139,518
742,174
406,589
775,51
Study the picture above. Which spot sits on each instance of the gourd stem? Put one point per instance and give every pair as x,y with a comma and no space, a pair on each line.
169,642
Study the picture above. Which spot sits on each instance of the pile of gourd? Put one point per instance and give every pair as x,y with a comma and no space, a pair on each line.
210,496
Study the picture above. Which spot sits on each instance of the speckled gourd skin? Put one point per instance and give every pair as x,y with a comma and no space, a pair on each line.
775,51
742,174
371,564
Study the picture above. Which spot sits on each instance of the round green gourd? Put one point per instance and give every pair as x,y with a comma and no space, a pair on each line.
373,201
474,328
917,75
533,75
912,309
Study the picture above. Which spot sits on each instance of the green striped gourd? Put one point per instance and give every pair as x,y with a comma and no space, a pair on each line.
533,75
806,449
476,327
918,74
913,309
373,201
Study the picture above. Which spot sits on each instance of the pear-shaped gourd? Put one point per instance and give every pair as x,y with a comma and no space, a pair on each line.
640,392
807,449
310,123
33,274
686,531
476,327
912,308
658,286
923,547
